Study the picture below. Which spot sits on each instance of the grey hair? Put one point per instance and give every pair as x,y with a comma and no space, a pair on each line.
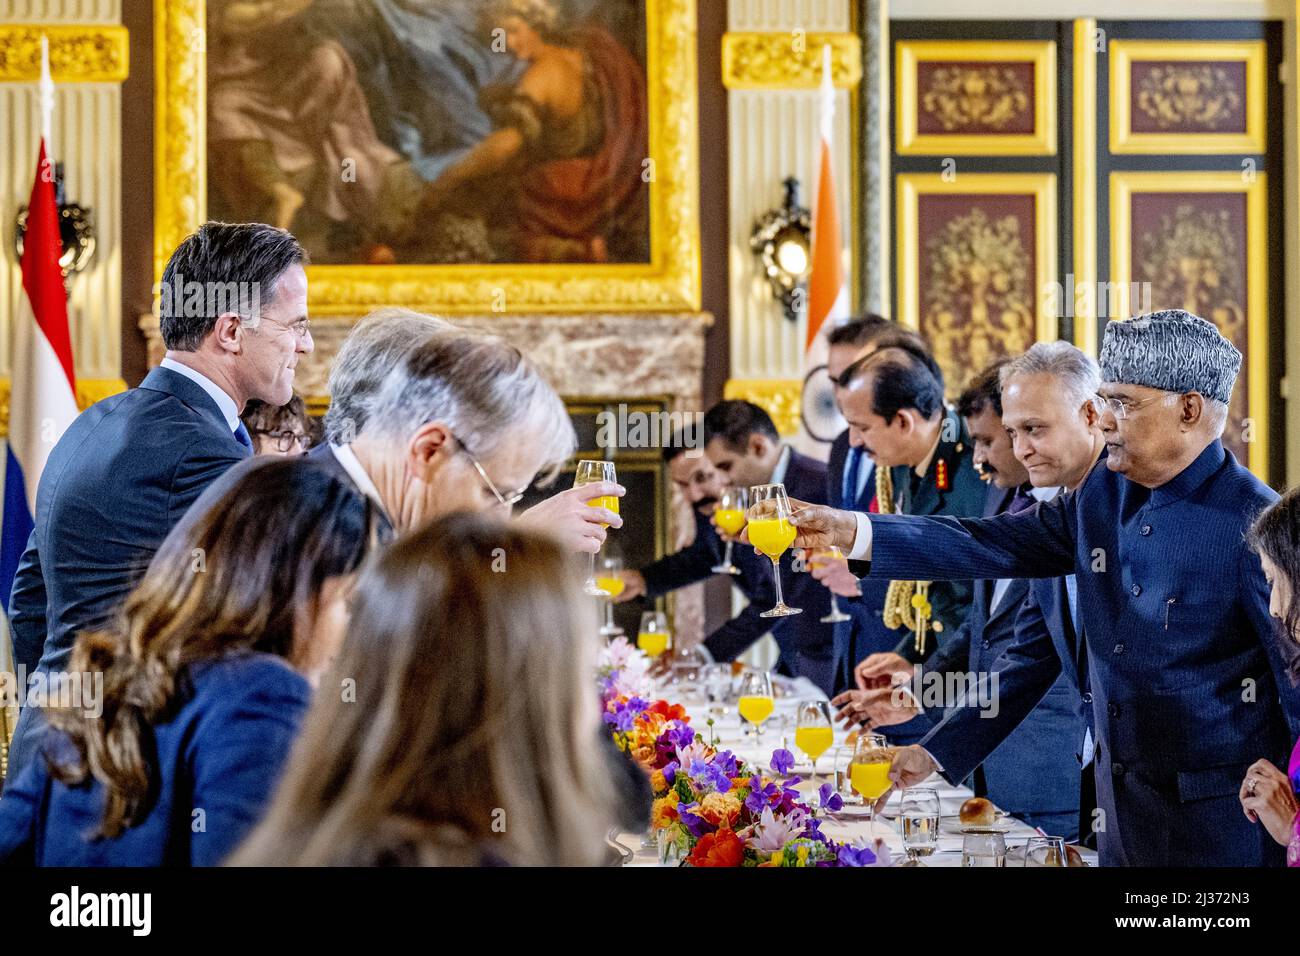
1216,415
1075,370
367,355
483,388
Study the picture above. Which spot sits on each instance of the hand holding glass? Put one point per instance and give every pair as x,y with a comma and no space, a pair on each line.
589,473
772,533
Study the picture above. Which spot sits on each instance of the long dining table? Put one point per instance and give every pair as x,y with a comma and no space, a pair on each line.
853,823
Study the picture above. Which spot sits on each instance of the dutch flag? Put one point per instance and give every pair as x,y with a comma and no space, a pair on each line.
43,400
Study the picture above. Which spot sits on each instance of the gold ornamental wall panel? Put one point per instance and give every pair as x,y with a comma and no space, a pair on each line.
1199,241
975,97
1187,96
977,263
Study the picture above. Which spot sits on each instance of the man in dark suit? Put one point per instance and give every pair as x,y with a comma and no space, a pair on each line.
1034,773
893,403
1183,657
234,321
851,481
742,443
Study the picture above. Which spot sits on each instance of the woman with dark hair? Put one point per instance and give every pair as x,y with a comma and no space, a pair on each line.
279,429
1268,795
202,685
474,735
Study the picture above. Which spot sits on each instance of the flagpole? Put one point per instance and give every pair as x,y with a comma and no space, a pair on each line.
46,92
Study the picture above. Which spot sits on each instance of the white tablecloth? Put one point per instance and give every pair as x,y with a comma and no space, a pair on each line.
850,825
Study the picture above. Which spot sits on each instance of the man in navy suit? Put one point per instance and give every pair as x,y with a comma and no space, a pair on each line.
742,443
851,482
1188,681
233,316
893,402
1034,772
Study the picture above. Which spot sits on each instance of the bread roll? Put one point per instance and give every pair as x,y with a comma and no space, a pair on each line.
977,812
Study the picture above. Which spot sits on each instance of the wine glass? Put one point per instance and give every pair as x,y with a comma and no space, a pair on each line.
827,555
772,533
611,582
920,813
813,731
984,848
1045,851
756,702
653,637
869,770
730,518
589,472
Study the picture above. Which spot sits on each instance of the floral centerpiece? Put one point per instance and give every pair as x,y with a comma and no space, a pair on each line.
717,809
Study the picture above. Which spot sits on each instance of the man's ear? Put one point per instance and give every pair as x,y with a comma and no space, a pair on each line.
429,447
758,445
229,332
1089,412
1193,409
906,420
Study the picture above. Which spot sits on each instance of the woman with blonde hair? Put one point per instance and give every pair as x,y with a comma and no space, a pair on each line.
466,729
201,686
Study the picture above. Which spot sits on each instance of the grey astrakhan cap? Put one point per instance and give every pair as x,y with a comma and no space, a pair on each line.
1174,351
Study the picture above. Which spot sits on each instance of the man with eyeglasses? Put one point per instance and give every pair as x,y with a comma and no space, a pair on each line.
233,316
1187,677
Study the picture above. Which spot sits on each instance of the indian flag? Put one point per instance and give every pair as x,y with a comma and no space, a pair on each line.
828,292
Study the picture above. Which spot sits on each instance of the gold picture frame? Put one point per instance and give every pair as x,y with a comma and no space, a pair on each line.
670,281
910,187
1124,53
909,54
1122,187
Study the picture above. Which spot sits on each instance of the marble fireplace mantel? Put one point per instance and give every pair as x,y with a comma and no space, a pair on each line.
623,356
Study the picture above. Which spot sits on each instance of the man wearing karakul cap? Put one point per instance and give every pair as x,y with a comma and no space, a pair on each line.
1188,678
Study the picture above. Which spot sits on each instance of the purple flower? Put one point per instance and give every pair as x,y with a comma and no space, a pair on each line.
782,761
725,760
848,855
708,774
760,796
670,772
693,821
828,799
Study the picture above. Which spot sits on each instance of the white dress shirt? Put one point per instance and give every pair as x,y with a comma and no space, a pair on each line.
357,472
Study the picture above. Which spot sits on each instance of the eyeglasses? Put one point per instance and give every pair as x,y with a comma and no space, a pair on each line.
506,501
1122,408
301,328
283,441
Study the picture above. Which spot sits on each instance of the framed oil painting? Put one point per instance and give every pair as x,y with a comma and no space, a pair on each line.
450,155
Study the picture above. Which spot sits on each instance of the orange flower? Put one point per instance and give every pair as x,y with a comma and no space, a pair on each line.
667,711
664,812
720,809
658,783
722,848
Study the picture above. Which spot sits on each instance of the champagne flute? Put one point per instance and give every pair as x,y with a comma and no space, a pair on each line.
920,813
813,731
756,701
611,582
827,555
589,472
653,637
1045,851
869,771
772,533
730,518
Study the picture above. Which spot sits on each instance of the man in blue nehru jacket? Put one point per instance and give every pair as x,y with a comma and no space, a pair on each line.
1187,678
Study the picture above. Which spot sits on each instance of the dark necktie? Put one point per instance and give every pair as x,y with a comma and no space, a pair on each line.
241,436
849,493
